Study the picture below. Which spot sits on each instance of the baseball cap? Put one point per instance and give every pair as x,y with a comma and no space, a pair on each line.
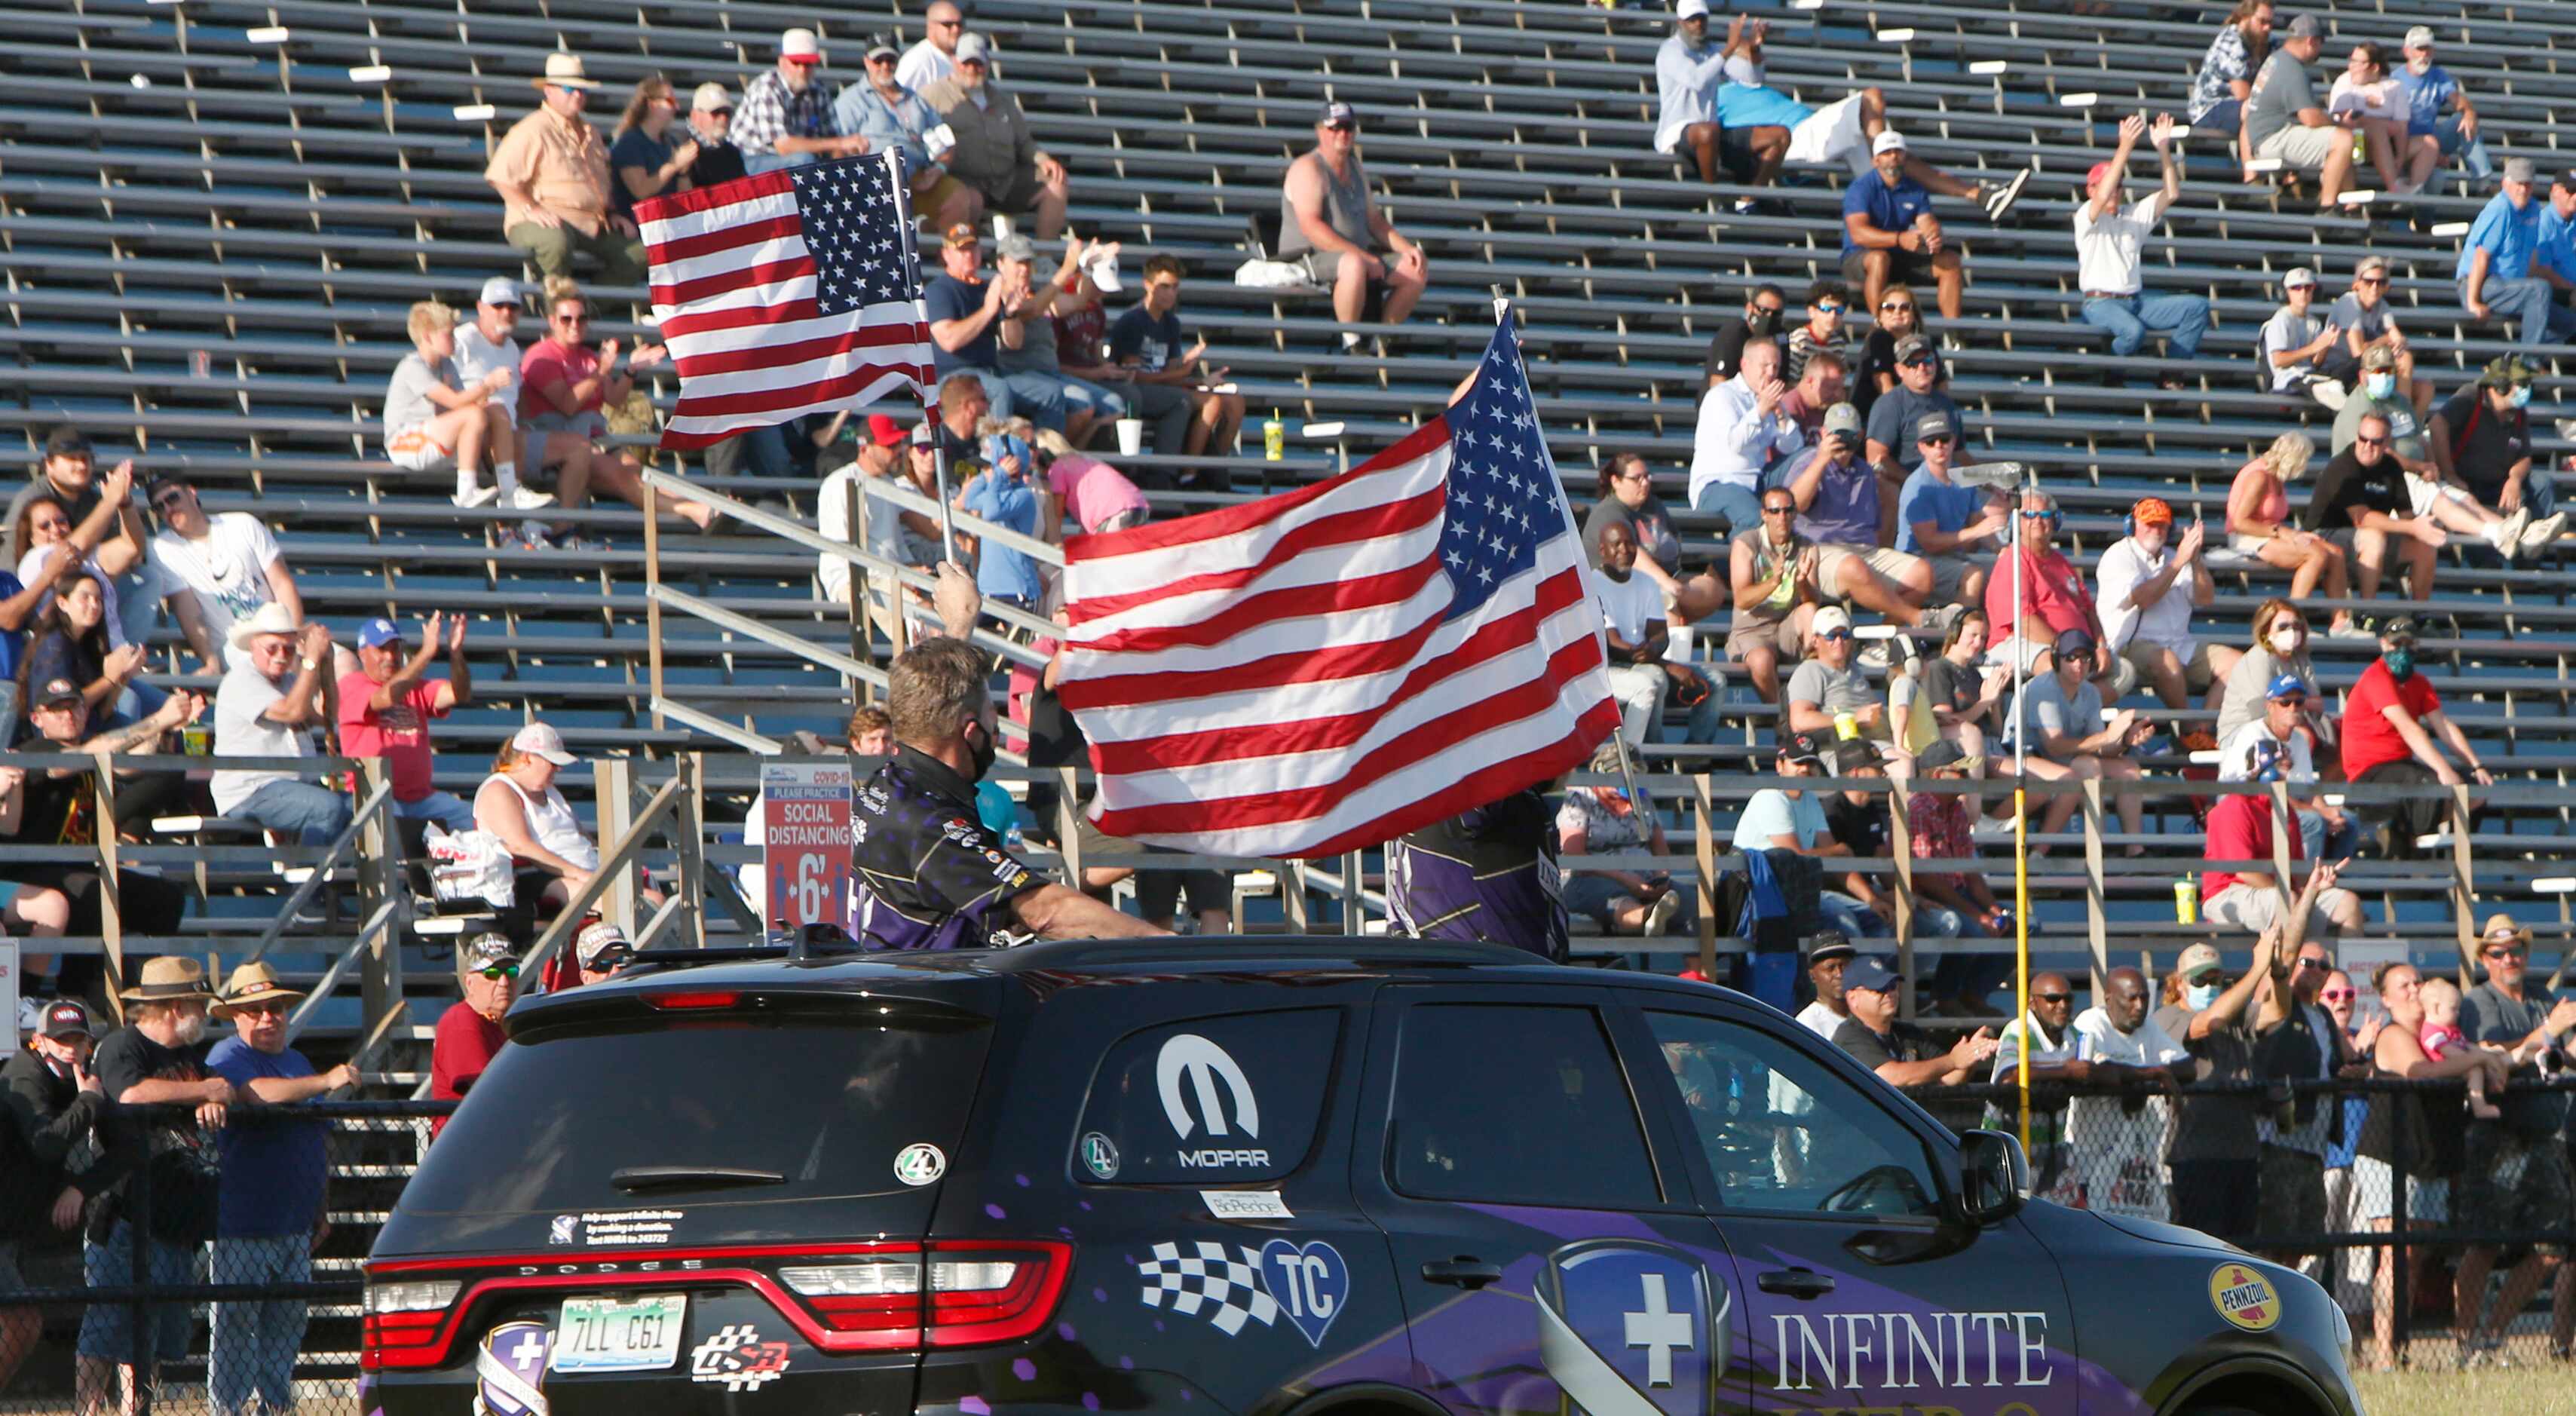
2420,37
885,431
1803,748
922,435
2371,265
1015,247
2264,763
489,949
2506,370
2152,511
2283,685
379,632
55,693
67,441
1942,754
2074,641
1829,617
1871,974
2197,960
709,97
963,234
1103,270
1910,346
1690,8
541,740
2299,277
65,1017
974,49
499,290
1336,113
1842,418
2093,178
2520,169
1888,140
2399,627
1854,755
602,945
1827,944
799,46
880,46
1931,426
2307,27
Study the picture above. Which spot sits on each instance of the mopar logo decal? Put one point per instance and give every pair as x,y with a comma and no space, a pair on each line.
1205,1064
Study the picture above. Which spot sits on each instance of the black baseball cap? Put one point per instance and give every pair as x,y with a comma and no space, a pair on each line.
67,441
1826,945
1804,748
55,694
1871,974
65,1017
2399,627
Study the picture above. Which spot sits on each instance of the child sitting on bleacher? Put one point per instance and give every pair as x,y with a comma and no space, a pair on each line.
432,424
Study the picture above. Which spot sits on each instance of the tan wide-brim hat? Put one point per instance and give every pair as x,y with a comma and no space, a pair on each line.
565,71
169,979
271,618
251,983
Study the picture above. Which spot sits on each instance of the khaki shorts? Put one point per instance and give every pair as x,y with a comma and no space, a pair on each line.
1784,638
2258,910
932,196
2304,147
1889,565
2196,672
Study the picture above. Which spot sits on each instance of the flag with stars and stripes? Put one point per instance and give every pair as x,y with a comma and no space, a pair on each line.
789,292
1331,667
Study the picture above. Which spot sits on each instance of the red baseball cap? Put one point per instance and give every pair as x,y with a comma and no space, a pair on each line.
2094,178
885,431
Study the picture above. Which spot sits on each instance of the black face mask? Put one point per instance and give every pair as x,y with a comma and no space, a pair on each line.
986,748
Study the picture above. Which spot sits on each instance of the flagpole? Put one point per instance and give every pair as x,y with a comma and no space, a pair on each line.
2021,832
921,314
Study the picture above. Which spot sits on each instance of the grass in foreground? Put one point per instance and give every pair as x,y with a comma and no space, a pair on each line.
2533,1389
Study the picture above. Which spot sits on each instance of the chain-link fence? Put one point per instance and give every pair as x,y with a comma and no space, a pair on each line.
223,1269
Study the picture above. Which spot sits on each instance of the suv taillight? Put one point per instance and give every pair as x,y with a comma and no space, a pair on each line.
401,1322
979,1292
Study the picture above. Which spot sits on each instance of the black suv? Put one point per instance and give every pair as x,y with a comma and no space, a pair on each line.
1264,1175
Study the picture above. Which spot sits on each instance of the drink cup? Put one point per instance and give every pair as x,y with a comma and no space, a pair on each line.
1274,439
1846,726
2187,902
1131,436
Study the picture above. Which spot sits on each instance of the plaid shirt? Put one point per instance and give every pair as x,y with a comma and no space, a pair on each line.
1939,827
769,112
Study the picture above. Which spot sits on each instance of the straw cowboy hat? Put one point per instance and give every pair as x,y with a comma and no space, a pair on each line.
251,983
271,618
169,979
564,71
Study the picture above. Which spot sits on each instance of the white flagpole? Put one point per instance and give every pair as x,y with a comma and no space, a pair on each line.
921,314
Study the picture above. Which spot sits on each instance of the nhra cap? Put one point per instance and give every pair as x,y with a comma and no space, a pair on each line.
65,1017
1871,974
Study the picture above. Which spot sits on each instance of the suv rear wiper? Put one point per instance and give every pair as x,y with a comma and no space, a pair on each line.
655,1177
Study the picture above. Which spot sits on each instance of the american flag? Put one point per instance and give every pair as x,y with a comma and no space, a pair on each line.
1332,667
786,293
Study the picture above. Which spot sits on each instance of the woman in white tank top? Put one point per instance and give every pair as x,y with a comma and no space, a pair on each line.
519,804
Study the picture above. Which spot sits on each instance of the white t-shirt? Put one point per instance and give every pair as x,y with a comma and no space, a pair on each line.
1787,1098
2047,1054
2124,568
241,731
31,568
2285,331
2236,755
227,568
1820,1020
2106,249
923,65
476,356
2120,1152
1627,606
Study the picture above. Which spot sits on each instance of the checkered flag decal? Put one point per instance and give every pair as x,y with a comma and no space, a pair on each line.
1208,1279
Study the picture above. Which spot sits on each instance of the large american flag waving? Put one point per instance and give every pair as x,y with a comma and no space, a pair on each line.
1332,667
786,293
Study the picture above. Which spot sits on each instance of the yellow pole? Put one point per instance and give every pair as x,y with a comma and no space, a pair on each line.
2021,943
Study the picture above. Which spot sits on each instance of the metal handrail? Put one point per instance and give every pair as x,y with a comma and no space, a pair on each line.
615,861
376,925
305,888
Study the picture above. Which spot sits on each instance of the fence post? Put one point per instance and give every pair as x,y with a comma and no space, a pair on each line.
689,834
138,1272
1705,845
862,636
652,598
2401,1295
1351,904
111,902
2097,933
380,881
1292,893
610,784
1900,849
1068,829
2464,899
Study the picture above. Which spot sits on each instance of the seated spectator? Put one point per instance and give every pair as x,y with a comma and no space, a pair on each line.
1793,819
2212,1152
1902,1054
2151,581
2123,1140
1959,698
1632,616
58,806
1601,824
1764,309
645,155
1689,71
2280,646
2045,1041
2109,234
1821,385
2394,733
1899,314
1827,687
1330,223
995,154
2430,137
2496,277
2259,525
1890,235
1774,576
601,952
2225,78
1947,525
469,1033
2481,439
894,533
65,475
2243,828
1896,420
1954,904
433,423
564,385
216,570
2284,122
486,347
711,129
1743,436
1081,337
2294,339
2053,594
1000,487
2431,490
2365,100
2274,747
2062,720
1857,819
1827,955
934,57
2362,503
521,804
70,641
1827,300
1100,497
1146,343
1837,495
1625,491
966,315
788,115
552,173
268,706
1028,336
57,542
389,701
2364,322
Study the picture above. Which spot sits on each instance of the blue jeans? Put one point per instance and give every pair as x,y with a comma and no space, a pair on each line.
2222,119
1841,911
1100,400
2319,844
449,810
1031,395
1741,507
107,1329
314,815
2544,320
254,1346
2472,152
2185,318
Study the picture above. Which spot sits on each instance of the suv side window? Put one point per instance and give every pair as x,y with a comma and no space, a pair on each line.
1782,1131
1208,1101
1515,1104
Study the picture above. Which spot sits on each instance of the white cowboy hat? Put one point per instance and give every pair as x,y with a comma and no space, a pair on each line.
272,618
565,71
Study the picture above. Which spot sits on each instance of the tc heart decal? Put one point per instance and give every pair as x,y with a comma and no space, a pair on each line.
1309,1280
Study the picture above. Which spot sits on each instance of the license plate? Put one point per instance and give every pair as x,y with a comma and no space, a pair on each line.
619,1334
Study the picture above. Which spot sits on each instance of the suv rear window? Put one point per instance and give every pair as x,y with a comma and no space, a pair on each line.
827,1107
1210,1101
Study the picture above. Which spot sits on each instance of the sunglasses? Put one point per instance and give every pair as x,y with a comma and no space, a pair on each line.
1900,306
1919,361
2052,998
1829,309
274,1009
2513,953
1835,634
1936,442
2317,964
2371,441
719,112
2372,280
572,319
498,972
168,501
2295,700
1779,511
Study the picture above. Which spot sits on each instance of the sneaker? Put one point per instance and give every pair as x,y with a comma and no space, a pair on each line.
2542,534
1874,655
476,496
2002,201
1937,620
2508,533
2350,630
1747,206
1659,915
533,537
2329,394
526,498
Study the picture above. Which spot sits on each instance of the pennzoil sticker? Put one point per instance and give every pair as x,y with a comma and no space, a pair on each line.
2245,1298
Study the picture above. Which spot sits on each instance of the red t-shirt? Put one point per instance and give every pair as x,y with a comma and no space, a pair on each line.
2240,828
2369,739
549,361
2050,586
467,1042
1080,336
399,734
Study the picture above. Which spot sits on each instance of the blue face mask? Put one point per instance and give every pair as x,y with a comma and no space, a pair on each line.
2200,996
2522,395
2400,662
2379,385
